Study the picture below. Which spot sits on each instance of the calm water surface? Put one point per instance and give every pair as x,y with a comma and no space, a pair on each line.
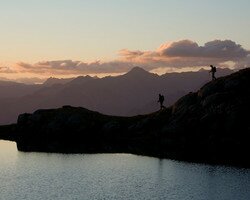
114,176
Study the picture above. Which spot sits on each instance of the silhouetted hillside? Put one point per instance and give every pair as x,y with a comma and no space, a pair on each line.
211,125
130,94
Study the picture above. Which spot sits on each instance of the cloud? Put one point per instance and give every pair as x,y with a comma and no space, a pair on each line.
28,81
217,49
64,67
244,63
186,53
6,70
178,55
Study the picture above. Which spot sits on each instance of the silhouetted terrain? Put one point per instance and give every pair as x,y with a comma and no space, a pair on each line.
211,125
131,94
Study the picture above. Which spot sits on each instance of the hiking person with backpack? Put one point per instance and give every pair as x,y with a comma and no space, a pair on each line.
213,70
161,100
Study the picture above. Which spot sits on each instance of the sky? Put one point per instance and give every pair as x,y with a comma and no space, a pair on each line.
76,37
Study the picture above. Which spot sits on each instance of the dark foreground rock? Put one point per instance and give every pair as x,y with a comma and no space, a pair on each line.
211,125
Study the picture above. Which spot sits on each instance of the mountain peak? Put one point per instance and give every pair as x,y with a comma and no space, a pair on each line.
52,80
82,79
138,72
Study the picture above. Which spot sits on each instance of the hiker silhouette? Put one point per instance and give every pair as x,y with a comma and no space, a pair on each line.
213,70
161,100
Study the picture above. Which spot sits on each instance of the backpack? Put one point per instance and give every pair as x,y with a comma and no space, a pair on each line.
162,98
214,69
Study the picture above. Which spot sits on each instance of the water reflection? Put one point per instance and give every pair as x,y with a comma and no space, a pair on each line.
114,176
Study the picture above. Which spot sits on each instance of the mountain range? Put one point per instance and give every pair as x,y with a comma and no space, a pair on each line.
133,93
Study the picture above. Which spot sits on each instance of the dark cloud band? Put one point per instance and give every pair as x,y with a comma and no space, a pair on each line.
180,54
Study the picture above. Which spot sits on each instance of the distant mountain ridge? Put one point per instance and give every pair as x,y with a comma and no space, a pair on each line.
51,81
10,89
133,93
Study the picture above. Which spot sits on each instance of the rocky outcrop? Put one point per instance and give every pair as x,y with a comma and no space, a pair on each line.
211,125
